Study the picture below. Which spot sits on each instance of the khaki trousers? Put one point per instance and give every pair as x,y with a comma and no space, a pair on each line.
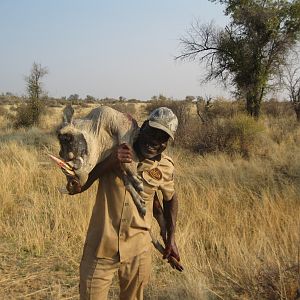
96,276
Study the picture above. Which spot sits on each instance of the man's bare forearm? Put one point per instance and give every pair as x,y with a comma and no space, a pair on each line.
159,216
99,170
170,213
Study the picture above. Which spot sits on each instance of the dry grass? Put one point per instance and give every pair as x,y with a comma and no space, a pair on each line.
238,224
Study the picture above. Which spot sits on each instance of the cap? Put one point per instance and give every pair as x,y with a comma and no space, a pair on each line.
163,118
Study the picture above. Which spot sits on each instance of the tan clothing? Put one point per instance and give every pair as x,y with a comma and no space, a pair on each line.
118,237
96,276
116,229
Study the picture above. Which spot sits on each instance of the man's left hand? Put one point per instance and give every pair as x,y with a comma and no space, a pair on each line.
171,253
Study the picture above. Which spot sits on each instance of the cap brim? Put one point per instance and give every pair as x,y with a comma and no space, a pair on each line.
161,127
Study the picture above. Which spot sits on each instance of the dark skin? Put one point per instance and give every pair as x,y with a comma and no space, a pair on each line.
150,143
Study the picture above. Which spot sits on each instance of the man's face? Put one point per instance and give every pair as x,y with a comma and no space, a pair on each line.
151,141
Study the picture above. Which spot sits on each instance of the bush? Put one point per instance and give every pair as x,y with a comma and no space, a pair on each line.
227,129
234,135
153,104
277,109
280,129
28,114
226,109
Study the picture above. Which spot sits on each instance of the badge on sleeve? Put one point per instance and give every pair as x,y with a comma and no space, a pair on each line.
155,173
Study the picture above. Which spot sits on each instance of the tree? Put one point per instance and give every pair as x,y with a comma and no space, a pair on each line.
250,51
122,99
29,114
89,99
73,97
34,83
291,81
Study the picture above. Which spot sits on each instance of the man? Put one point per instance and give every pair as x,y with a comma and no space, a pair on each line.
118,237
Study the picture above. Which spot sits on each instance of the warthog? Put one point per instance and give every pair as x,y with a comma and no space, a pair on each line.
89,140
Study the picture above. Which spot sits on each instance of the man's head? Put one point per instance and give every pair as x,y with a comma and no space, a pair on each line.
156,131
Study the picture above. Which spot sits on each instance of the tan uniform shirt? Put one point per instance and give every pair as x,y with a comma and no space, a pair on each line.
116,229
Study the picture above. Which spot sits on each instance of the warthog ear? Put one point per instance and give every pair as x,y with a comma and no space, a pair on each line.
68,114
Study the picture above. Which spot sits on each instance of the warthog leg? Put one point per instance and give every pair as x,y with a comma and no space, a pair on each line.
137,199
131,171
136,182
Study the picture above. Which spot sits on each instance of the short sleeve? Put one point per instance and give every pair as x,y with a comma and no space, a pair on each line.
167,185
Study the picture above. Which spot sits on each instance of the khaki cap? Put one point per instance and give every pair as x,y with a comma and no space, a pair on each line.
163,118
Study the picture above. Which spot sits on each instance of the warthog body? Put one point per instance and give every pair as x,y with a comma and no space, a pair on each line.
89,140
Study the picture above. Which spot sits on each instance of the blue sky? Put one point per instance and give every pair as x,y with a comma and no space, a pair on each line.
103,48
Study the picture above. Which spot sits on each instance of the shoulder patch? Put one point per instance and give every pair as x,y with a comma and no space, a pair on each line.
155,173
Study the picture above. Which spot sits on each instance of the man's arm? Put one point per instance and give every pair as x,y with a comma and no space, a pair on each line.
121,154
158,214
170,214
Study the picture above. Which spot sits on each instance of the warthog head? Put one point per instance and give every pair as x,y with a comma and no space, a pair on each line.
73,148
73,145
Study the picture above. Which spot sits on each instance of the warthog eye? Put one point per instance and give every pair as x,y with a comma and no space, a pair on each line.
66,138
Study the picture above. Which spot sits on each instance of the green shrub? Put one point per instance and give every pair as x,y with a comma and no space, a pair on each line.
28,114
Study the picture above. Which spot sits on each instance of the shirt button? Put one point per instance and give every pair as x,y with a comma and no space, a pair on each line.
124,220
126,204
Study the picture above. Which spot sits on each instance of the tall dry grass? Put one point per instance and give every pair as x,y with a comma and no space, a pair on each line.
238,224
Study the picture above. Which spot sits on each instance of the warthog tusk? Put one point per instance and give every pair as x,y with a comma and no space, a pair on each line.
71,155
66,168
78,162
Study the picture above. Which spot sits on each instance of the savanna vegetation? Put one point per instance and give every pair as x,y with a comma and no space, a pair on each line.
238,182
237,172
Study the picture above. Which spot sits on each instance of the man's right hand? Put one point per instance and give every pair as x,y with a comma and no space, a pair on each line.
121,154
